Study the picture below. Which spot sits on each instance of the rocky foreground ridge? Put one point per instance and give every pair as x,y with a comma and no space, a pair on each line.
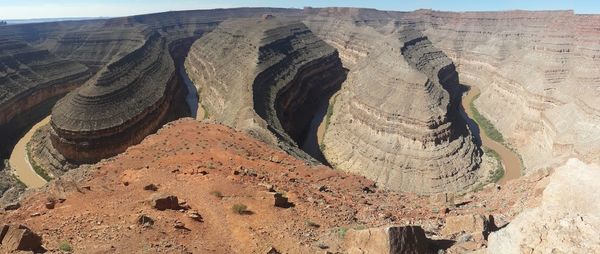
175,192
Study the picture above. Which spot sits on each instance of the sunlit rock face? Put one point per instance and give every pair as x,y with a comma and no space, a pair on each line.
538,74
264,76
29,77
126,101
396,119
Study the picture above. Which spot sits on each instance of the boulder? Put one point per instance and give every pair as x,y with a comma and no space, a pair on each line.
145,221
281,201
407,239
163,202
477,225
12,206
18,237
151,187
567,221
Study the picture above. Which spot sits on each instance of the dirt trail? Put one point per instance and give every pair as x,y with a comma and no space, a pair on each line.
19,160
510,160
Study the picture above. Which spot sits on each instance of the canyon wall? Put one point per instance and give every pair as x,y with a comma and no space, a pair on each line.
280,73
126,101
28,78
537,72
396,119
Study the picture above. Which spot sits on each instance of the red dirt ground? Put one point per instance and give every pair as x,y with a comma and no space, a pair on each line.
193,161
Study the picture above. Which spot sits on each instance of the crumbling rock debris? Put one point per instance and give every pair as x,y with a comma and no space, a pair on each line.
194,215
12,206
272,250
181,225
145,221
269,187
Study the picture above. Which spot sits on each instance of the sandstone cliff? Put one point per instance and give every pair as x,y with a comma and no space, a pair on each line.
264,76
126,101
396,119
537,72
29,77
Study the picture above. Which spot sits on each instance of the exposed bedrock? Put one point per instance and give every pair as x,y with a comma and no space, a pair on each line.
396,119
265,76
123,103
96,43
537,72
31,80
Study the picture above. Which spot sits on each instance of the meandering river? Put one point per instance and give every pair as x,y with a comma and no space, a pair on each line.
510,160
19,160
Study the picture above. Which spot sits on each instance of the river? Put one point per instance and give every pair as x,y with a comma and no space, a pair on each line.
510,160
19,160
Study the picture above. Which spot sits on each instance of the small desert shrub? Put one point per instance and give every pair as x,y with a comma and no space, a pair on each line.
341,232
217,194
239,208
65,246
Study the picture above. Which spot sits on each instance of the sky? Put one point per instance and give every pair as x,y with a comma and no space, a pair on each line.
27,9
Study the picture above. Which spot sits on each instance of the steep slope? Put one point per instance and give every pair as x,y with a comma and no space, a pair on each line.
537,74
125,102
397,120
210,168
281,73
29,80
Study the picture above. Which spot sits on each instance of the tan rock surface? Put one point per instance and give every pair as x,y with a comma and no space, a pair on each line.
567,221
281,71
396,119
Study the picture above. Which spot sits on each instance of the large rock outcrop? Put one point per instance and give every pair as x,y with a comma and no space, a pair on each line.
396,119
567,221
264,76
125,102
388,240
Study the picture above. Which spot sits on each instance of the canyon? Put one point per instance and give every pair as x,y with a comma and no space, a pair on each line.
362,118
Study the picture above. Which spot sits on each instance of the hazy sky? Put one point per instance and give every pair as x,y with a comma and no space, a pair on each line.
22,9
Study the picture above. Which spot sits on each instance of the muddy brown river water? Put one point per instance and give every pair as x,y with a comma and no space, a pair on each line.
19,161
510,160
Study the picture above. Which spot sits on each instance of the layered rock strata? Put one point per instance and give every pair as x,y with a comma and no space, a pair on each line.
264,76
30,77
396,119
538,76
536,71
125,102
